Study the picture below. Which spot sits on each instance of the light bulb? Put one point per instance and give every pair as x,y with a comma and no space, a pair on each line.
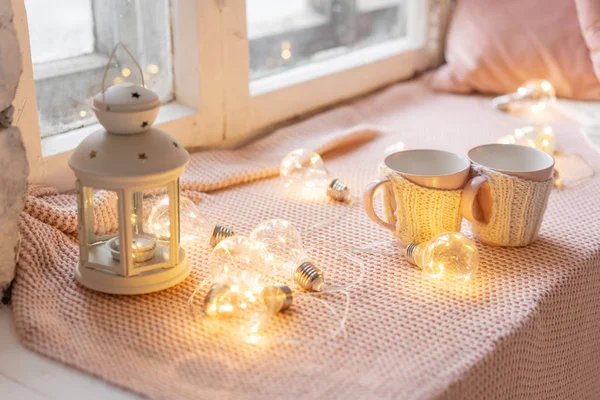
538,136
285,254
193,225
239,293
304,174
448,258
533,96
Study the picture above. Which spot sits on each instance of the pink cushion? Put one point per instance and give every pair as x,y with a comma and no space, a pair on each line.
589,19
494,46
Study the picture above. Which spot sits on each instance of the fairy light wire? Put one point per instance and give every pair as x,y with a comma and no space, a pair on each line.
208,199
313,296
340,326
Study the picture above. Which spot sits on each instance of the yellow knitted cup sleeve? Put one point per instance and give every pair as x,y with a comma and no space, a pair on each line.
421,212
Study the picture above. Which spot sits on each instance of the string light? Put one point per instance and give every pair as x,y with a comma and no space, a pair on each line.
193,225
152,68
285,254
449,259
538,137
304,173
241,300
286,50
239,297
533,96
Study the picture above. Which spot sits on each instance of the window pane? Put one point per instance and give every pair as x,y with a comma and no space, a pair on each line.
53,40
72,40
284,35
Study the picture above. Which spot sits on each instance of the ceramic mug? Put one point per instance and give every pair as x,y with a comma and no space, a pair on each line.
436,178
506,201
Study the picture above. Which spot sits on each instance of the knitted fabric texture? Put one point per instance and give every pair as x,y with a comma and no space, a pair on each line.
518,209
526,326
420,212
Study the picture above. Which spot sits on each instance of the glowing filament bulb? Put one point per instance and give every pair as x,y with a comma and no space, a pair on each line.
538,137
193,225
239,295
533,96
304,174
448,258
394,148
545,139
285,254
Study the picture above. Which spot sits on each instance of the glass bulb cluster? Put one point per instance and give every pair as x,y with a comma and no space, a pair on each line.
304,174
449,259
286,256
532,97
239,294
193,226
538,137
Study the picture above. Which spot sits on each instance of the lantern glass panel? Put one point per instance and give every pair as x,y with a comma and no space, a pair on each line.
154,223
105,214
98,225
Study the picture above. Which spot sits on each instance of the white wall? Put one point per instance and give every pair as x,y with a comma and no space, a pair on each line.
13,160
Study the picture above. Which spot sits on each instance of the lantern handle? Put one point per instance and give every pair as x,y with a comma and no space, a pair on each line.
112,55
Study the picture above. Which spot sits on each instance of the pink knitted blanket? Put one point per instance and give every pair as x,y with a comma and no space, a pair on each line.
526,326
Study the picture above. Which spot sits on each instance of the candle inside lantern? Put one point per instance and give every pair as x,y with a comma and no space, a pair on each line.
143,248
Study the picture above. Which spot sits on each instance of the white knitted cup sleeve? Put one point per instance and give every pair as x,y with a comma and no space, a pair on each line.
518,209
421,212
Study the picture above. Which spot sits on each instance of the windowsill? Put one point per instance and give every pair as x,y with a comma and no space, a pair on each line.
69,66
317,69
64,142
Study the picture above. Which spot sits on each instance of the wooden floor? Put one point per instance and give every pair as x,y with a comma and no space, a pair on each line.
25,375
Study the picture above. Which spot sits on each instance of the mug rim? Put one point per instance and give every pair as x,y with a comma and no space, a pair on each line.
464,158
522,148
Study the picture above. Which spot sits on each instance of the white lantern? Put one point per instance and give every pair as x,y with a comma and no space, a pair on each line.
127,159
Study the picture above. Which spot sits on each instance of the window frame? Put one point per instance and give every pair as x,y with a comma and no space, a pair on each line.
192,121
253,107
226,109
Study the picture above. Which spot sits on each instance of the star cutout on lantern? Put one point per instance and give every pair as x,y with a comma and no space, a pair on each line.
92,154
144,124
175,144
142,156
135,94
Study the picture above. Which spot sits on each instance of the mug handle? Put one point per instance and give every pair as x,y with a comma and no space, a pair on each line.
368,202
469,205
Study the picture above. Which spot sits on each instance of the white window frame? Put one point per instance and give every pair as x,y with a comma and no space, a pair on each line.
319,84
210,40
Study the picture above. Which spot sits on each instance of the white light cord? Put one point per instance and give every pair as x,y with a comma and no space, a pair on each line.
199,311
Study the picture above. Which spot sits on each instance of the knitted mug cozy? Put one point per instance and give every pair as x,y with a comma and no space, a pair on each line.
420,212
517,211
